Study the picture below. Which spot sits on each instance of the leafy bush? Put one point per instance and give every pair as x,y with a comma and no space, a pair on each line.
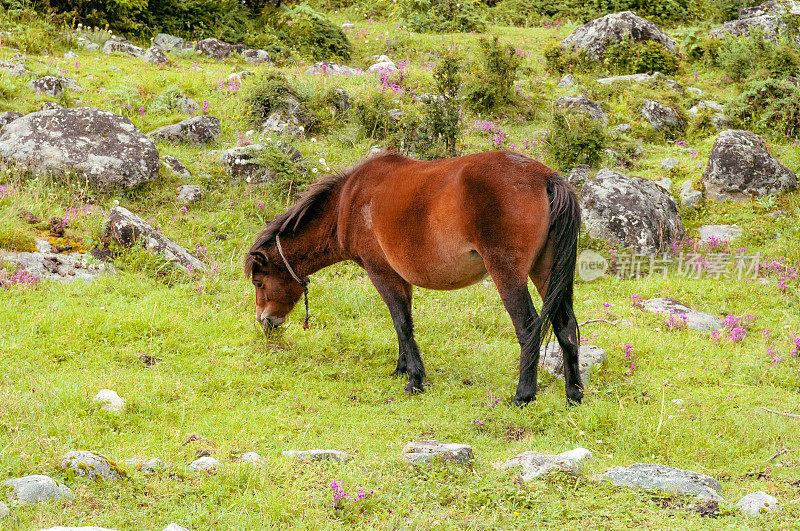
492,85
768,106
574,139
14,236
663,11
372,113
314,35
441,16
757,57
626,57
698,46
272,92
567,60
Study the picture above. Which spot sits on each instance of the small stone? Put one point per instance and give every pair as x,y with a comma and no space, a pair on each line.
176,166
701,321
664,478
4,510
551,359
174,527
82,528
678,401
123,47
70,55
169,42
37,489
91,47
665,183
584,105
383,64
669,163
694,91
719,233
660,116
567,81
637,78
109,401
316,455
155,55
91,465
579,175
148,467
757,503
250,457
186,104
196,130
426,452
535,464
49,85
255,57
189,193
206,463
622,128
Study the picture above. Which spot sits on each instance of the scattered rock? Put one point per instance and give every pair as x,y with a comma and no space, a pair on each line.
37,489
91,465
706,105
245,162
340,102
174,527
720,233
583,105
49,85
103,146
14,69
426,452
109,401
206,463
175,166
664,478
757,503
127,229
669,163
660,116
567,81
596,35
70,55
197,130
284,124
551,359
249,457
82,528
316,455
123,47
740,167
66,268
535,464
91,47
4,510
8,117
638,78
701,321
694,91
770,17
189,193
50,106
383,64
255,57
622,128
630,211
579,175
169,42
156,56
331,69
214,48
186,104
665,183
149,466
690,198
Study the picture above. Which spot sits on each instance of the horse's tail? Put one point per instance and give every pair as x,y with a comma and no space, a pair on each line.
565,220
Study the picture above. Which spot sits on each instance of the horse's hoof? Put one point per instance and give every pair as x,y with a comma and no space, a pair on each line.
522,402
399,372
413,389
574,397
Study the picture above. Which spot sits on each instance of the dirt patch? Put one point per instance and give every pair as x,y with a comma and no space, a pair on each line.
514,433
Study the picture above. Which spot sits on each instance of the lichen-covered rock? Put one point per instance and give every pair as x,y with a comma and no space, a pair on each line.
595,36
551,359
535,464
8,117
383,64
4,510
127,229
660,116
770,17
91,465
284,124
244,162
567,81
719,233
189,193
103,146
630,211
316,455
331,69
175,166
155,55
123,47
249,457
579,175
49,85
207,463
757,503
215,48
37,489
14,69
169,42
255,57
583,105
186,104
704,322
426,452
664,478
197,130
48,265
740,168
690,198
149,466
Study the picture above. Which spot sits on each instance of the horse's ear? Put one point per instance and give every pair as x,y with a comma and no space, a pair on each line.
257,261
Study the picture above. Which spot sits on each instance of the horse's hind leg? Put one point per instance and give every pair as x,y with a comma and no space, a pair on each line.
565,326
396,293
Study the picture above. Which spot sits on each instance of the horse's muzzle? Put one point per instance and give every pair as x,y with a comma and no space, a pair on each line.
271,323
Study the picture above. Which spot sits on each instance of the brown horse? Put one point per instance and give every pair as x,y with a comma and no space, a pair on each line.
442,225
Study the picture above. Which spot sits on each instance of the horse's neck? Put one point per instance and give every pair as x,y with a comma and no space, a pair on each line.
315,245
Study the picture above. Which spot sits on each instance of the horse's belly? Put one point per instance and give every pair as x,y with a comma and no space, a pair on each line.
443,270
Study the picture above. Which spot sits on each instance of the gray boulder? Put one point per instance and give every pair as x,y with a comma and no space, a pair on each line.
720,233
186,104
740,168
155,55
37,489
579,175
91,465
622,129
636,78
103,146
109,401
567,81
123,47
189,193
316,455
630,211
4,510
207,463
8,117
331,69
127,229
669,163
249,457
583,105
664,478
169,42
215,48
690,198
48,265
245,162
283,123
149,466
551,359
770,17
596,35
175,166
701,321
535,464
383,64
49,85
757,503
196,130
14,69
426,452
255,57
660,116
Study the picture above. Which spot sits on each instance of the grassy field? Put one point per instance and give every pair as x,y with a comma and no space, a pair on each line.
219,378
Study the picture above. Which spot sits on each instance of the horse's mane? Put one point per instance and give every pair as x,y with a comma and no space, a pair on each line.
309,204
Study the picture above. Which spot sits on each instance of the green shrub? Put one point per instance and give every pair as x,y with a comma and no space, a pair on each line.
567,60
757,57
770,107
306,31
272,92
626,57
697,46
441,16
14,235
574,139
372,113
492,83
663,11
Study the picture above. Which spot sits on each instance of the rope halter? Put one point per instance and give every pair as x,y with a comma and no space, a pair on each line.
302,282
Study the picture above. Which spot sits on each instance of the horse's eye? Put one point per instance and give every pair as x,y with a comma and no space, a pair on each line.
259,285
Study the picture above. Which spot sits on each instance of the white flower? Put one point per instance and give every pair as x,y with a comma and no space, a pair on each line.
314,140
322,161
249,179
313,170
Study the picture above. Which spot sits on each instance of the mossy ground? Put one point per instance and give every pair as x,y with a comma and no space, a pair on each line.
330,387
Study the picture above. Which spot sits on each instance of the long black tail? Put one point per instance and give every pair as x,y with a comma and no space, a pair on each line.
565,221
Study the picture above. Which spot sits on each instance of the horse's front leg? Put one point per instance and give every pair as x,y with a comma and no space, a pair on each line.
396,293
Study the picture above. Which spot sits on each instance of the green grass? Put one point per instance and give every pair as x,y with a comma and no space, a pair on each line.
330,386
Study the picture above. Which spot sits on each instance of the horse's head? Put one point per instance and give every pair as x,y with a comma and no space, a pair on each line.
276,291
